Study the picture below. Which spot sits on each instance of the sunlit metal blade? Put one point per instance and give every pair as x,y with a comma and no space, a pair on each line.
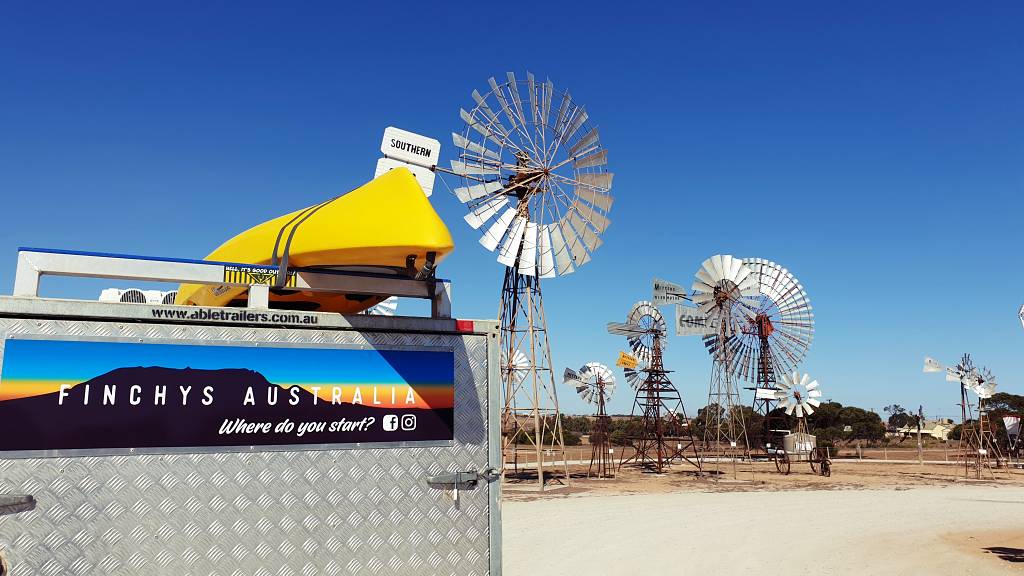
814,394
594,197
579,117
592,216
575,244
625,329
463,168
510,248
602,180
563,259
764,394
528,254
807,409
587,141
500,96
497,230
590,238
481,128
545,109
467,144
483,211
599,159
475,191
545,255
532,87
813,402
799,410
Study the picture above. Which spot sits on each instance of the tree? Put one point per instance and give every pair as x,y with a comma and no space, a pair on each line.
898,416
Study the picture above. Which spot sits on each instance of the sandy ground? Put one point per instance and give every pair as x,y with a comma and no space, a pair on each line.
869,518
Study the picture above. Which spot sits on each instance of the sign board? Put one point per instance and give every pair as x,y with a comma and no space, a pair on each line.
666,292
410,148
626,361
101,395
424,176
690,322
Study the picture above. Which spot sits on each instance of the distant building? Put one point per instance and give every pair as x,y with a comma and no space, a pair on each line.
938,429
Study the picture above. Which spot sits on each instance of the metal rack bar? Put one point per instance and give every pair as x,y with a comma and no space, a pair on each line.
34,263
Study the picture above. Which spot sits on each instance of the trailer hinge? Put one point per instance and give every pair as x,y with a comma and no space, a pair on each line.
15,503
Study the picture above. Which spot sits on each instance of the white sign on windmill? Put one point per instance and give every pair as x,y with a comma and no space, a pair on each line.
403,149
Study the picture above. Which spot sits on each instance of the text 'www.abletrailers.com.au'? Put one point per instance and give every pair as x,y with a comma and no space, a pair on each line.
235,315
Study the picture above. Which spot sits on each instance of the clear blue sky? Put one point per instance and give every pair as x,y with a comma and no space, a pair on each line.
875,149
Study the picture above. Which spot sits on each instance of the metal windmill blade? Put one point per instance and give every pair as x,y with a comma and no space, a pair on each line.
781,326
985,384
534,176
386,307
645,316
518,367
635,376
726,292
798,394
592,382
932,365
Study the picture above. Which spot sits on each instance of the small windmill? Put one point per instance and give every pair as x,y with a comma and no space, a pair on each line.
656,397
387,307
726,292
535,180
595,384
799,396
976,447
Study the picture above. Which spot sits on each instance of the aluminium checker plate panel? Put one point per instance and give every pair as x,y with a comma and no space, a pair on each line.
280,513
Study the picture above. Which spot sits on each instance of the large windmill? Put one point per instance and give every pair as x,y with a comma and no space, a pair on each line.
772,341
534,179
726,293
977,446
665,431
595,384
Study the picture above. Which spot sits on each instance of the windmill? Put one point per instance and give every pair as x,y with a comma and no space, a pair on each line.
665,431
726,292
595,384
386,307
535,181
772,341
798,395
1020,315
975,451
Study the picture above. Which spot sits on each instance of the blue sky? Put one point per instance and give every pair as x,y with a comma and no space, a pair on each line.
69,360
874,150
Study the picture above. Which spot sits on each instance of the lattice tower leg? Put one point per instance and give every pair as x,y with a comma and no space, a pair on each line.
531,422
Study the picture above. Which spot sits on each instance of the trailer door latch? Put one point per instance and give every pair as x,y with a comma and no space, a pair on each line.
463,480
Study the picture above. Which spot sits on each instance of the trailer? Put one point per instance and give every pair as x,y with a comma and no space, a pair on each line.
159,439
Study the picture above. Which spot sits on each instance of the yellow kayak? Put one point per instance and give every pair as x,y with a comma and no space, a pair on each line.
378,225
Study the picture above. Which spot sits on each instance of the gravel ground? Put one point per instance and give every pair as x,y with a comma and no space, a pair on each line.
958,529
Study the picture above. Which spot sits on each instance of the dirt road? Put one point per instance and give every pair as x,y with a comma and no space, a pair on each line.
953,530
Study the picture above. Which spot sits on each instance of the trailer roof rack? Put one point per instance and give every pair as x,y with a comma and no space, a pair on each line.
33,263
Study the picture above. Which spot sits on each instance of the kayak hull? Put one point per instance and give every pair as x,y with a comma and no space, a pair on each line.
378,226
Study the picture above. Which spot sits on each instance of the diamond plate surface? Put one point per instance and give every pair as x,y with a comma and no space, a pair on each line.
290,513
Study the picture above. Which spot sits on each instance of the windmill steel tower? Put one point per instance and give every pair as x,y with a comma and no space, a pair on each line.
665,432
978,447
535,179
595,384
726,291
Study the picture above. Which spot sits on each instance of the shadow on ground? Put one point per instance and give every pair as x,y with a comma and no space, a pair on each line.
1008,554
